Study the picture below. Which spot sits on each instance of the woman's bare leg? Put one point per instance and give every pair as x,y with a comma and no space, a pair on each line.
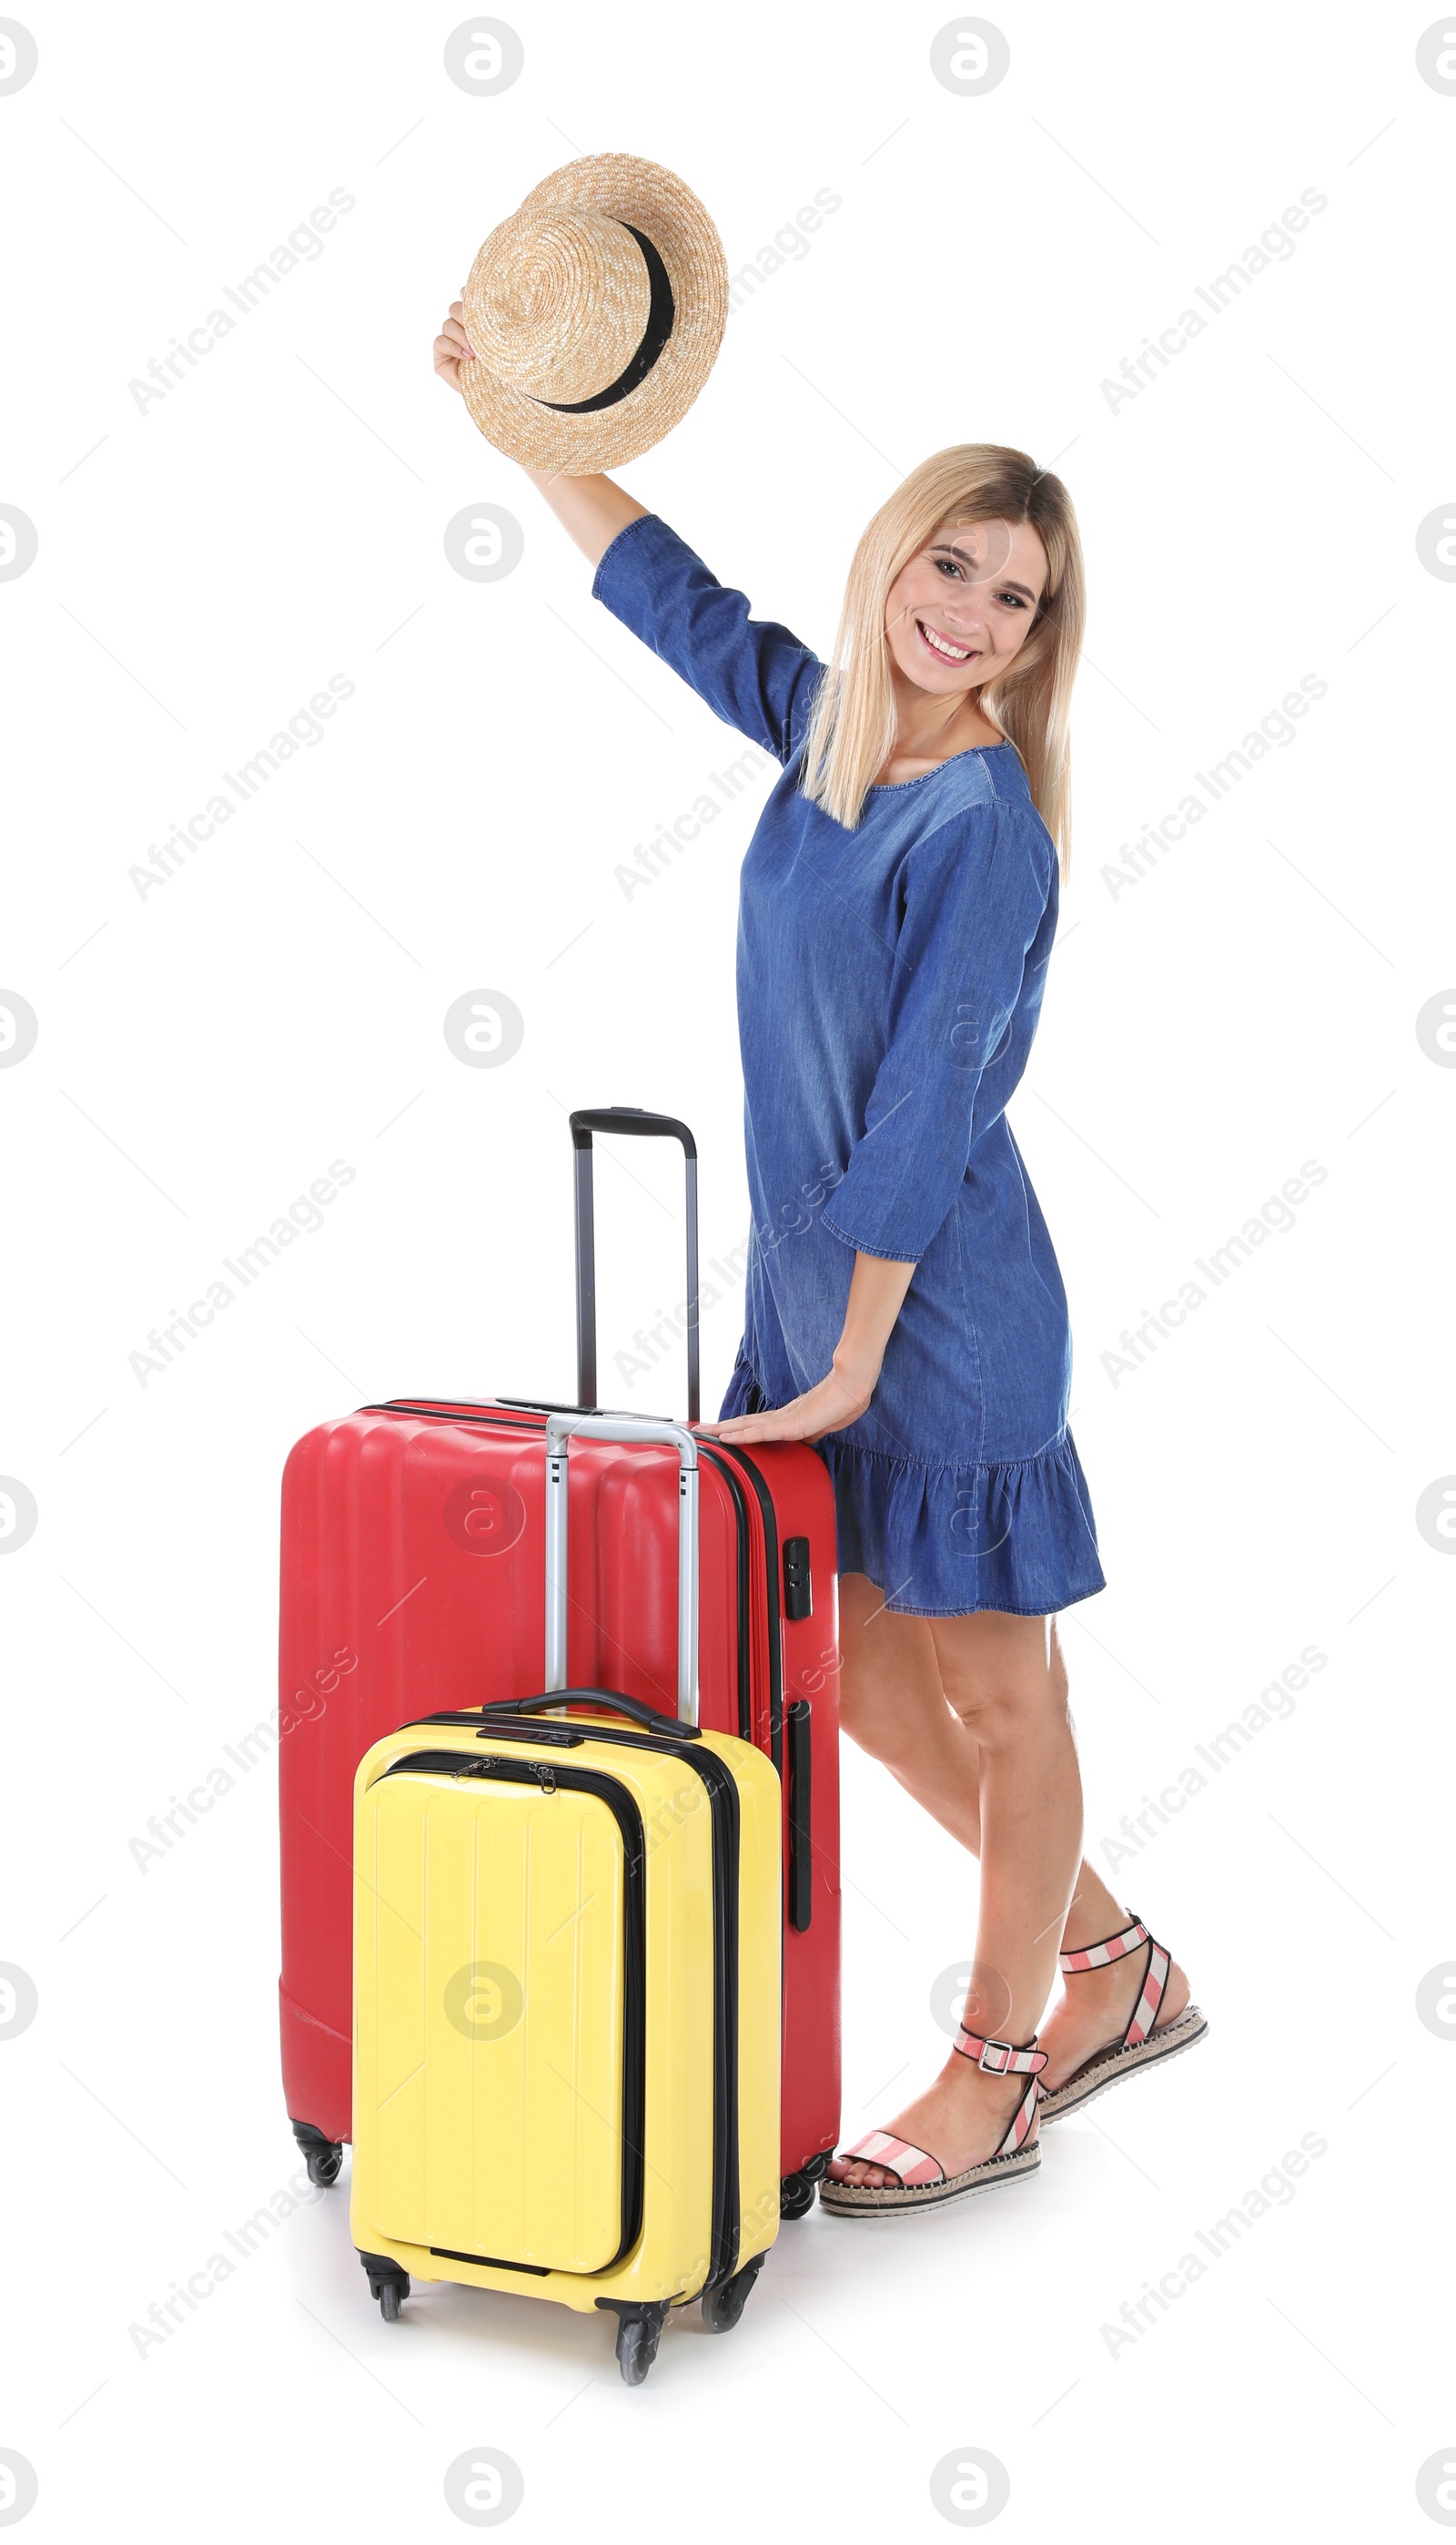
1004,1678
893,1704
921,1695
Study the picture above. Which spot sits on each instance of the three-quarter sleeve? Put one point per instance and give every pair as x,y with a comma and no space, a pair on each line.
750,672
974,892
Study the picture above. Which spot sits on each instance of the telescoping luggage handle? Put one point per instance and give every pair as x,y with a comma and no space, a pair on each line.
562,1429
629,1118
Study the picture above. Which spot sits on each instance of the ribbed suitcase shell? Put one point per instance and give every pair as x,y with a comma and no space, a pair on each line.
413,1579
537,2107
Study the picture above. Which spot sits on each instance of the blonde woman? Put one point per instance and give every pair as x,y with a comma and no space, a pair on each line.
905,1312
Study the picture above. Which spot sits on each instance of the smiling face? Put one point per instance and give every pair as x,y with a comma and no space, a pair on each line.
963,606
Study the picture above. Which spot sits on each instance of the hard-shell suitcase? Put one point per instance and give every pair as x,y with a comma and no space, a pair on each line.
567,1967
413,1562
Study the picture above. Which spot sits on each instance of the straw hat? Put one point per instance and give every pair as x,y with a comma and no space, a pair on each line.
594,314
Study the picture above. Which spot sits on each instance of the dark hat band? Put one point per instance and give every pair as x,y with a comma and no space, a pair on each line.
661,311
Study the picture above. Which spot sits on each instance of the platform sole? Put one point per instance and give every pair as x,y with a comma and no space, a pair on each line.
851,2200
1110,2067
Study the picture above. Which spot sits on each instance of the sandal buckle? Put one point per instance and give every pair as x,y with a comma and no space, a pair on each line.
996,2067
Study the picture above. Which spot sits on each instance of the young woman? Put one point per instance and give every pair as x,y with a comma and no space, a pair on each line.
905,1312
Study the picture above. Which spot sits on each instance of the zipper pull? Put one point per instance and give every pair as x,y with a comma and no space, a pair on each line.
546,1780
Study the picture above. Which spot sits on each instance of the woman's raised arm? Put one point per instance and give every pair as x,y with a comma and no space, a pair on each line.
755,675
590,510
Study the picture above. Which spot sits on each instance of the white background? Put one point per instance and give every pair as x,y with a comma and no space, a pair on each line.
278,518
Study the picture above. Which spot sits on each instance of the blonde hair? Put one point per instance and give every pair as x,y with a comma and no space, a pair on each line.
852,731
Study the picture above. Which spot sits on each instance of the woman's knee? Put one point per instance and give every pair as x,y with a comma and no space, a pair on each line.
1003,1675
1000,1709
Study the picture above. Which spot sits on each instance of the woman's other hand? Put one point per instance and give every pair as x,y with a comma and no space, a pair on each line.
452,346
877,1290
837,1401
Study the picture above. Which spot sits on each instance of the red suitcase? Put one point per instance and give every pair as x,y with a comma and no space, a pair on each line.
413,1582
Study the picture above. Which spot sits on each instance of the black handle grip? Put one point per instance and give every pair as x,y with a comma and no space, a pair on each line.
650,1716
634,1120
629,1117
800,1837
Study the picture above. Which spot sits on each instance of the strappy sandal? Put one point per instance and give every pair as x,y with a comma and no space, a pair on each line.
1144,2041
923,2180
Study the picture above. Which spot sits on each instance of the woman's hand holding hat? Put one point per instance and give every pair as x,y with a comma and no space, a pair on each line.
596,311
451,347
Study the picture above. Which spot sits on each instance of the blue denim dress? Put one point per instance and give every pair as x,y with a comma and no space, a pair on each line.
889,983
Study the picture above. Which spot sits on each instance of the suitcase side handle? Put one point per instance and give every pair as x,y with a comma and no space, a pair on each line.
650,1717
560,1431
629,1118
800,1816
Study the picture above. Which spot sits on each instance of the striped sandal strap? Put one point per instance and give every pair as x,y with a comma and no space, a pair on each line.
1025,2113
1096,1957
1000,2058
1004,2059
910,2166
1154,1980
1112,1948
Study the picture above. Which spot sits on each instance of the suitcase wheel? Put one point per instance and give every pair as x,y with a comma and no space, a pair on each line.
795,2195
323,2156
636,2349
388,2282
638,2331
721,2308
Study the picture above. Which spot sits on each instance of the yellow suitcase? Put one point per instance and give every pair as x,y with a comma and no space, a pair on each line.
567,1948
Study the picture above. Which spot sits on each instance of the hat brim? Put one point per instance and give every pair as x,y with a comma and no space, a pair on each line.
652,199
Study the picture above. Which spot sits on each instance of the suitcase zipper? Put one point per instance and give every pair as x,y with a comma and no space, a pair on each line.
776,1634
745,1657
545,1776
